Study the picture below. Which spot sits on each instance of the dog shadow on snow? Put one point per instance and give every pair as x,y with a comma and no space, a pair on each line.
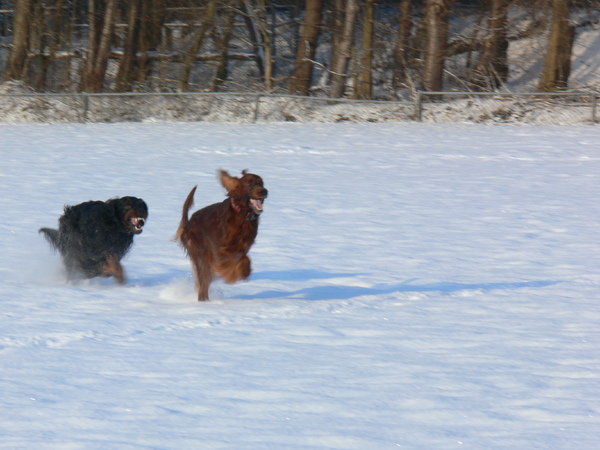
341,292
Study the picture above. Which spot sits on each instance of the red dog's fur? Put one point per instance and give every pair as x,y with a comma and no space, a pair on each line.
218,237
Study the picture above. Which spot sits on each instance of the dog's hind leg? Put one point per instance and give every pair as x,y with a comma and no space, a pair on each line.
204,277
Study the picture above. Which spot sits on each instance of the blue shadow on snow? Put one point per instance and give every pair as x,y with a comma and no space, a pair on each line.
299,275
338,292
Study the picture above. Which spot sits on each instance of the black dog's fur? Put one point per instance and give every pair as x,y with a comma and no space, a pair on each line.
93,237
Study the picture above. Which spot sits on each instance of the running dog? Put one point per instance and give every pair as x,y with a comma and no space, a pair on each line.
217,238
94,236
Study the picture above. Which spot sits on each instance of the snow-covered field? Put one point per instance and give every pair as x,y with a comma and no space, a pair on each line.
414,286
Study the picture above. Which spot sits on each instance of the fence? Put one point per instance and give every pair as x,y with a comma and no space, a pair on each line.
564,107
588,100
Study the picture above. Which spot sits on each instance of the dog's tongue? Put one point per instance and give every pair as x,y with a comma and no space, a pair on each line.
257,204
137,222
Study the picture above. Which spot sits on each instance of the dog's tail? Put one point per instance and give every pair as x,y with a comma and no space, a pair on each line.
51,236
189,202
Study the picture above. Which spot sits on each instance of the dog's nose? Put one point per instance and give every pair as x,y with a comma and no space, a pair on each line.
263,192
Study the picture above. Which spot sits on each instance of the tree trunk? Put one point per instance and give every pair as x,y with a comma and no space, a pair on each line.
303,67
124,78
340,67
337,30
88,64
193,51
365,84
259,16
491,68
259,27
101,60
101,28
37,61
557,63
437,12
401,52
144,26
221,73
152,17
17,56
56,36
255,36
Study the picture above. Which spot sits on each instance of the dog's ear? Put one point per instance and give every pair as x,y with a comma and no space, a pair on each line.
230,183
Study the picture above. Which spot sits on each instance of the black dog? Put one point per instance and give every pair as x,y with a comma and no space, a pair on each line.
93,237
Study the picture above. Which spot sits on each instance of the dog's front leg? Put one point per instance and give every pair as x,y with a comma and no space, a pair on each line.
234,269
111,267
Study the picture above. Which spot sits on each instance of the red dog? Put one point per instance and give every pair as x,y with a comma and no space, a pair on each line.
218,237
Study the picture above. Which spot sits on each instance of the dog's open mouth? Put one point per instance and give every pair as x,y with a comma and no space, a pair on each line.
137,223
257,205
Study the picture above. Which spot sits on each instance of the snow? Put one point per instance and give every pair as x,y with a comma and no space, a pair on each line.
414,286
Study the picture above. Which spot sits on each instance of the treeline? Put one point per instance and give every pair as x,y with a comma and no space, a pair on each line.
307,47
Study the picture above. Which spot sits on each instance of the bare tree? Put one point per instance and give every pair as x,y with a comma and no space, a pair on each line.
101,23
193,51
557,63
17,56
365,85
144,26
336,16
343,50
258,18
222,43
305,55
51,41
437,12
491,68
124,76
402,48
260,15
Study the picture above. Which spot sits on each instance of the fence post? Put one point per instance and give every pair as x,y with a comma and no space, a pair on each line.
594,105
419,106
256,108
86,105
